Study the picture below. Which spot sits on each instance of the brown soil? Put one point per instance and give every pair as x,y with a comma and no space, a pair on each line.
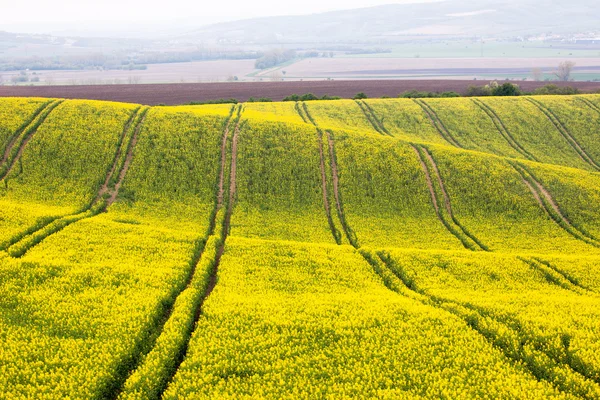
552,203
181,93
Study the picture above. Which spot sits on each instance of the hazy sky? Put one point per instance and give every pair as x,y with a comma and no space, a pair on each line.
41,15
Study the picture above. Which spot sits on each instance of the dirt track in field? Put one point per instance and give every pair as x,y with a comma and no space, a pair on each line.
127,163
106,185
181,93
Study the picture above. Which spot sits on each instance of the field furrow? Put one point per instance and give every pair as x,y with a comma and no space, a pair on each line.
150,377
441,201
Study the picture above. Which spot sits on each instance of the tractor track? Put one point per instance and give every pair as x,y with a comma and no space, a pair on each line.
25,136
375,123
106,185
21,129
468,240
589,104
519,351
549,205
21,244
137,359
350,235
128,158
565,133
437,123
306,116
213,277
501,127
378,120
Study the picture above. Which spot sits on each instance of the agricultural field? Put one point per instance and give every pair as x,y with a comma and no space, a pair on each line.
378,248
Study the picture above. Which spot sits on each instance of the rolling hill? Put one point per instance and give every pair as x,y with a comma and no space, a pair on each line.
384,248
451,18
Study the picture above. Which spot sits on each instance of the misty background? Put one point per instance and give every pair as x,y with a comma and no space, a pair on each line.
146,41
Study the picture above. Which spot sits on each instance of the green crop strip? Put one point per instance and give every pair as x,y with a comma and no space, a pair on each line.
325,168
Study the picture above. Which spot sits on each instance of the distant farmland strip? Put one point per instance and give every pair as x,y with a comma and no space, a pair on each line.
180,93
566,134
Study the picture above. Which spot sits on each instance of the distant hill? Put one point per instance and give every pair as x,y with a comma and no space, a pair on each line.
396,21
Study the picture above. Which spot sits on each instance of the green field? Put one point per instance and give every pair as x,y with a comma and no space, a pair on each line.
385,248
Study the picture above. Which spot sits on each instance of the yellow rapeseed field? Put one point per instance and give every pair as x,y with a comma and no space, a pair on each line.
385,248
